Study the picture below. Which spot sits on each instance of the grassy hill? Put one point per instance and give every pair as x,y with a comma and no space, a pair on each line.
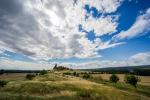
57,86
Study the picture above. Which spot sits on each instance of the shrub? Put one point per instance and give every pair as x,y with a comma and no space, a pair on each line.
84,94
3,83
88,95
114,78
36,74
131,79
66,73
43,72
86,76
76,74
30,76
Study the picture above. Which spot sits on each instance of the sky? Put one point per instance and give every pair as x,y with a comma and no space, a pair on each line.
79,34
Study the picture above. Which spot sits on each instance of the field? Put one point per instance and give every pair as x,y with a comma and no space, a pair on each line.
13,76
144,80
57,86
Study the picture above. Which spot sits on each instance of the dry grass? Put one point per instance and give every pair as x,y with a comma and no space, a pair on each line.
144,80
58,87
13,76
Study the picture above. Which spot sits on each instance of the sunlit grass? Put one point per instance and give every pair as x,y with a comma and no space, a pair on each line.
56,86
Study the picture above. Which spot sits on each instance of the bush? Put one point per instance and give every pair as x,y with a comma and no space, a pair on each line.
131,79
3,83
30,76
43,72
84,94
86,76
76,74
114,78
66,73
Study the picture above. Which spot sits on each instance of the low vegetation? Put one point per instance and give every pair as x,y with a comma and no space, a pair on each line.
3,83
131,79
30,76
43,72
114,78
86,76
71,85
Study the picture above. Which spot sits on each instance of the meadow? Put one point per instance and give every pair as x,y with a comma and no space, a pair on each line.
144,80
57,86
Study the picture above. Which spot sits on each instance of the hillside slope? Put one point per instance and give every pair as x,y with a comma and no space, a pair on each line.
56,86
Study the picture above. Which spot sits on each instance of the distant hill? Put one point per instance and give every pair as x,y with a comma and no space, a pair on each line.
138,70
123,67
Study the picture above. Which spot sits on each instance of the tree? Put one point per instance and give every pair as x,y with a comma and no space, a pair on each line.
2,71
76,74
30,76
114,78
86,75
131,79
43,72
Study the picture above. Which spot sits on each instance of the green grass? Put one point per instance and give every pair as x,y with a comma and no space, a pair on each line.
141,89
145,90
50,77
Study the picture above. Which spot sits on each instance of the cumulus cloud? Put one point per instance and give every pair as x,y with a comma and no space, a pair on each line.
140,27
140,58
134,60
43,29
101,26
22,65
105,6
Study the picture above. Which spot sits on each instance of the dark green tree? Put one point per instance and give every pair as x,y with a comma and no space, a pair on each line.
131,79
86,76
43,72
30,76
114,78
2,71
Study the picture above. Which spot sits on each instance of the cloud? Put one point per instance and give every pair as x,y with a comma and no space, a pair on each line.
101,26
140,27
108,44
134,60
104,6
22,65
1,51
140,59
49,28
